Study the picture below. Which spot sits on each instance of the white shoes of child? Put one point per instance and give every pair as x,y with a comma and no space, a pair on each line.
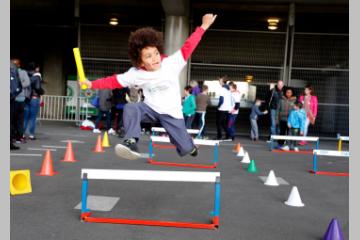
285,148
111,131
96,130
296,149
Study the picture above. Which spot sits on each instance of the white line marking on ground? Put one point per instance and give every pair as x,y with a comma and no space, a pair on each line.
72,141
41,149
46,146
25,154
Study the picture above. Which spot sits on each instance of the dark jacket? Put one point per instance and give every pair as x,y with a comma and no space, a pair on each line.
284,107
35,79
15,83
273,97
104,99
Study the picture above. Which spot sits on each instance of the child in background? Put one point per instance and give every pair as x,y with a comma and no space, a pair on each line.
255,112
236,98
158,76
189,107
202,101
104,110
296,124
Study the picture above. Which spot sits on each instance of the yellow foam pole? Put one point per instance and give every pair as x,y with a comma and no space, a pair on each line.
80,67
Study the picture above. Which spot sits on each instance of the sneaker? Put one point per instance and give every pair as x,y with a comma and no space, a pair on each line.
296,149
111,131
302,143
128,149
20,140
32,137
285,148
194,152
14,147
96,130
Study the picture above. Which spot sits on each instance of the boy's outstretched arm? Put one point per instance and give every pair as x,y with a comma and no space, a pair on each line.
194,39
102,83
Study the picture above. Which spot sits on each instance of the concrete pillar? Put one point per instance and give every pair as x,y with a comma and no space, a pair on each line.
53,72
176,33
176,30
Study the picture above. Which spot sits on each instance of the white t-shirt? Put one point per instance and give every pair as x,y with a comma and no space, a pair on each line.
226,94
236,98
161,88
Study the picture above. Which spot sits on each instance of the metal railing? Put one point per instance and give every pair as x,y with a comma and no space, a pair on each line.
64,108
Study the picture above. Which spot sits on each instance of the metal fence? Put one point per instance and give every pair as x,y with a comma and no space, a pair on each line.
63,108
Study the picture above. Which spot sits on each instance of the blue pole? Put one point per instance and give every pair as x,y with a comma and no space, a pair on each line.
271,144
84,190
315,163
217,198
150,149
317,144
216,153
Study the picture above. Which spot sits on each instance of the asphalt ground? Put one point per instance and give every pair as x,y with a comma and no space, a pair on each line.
249,209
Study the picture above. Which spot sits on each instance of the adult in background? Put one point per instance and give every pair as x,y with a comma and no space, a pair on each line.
224,107
15,89
32,107
195,87
202,101
310,105
19,104
272,100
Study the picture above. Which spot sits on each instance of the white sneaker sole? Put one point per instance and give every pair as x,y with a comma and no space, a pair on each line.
124,152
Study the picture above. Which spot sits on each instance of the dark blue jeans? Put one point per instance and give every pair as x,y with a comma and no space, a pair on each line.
231,125
30,114
107,115
188,121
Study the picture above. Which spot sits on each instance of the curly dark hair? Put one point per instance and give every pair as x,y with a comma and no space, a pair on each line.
142,38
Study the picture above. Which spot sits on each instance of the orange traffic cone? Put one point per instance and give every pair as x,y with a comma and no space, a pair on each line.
69,154
98,148
47,166
237,148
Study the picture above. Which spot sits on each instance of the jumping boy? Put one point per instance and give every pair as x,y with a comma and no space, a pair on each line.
158,76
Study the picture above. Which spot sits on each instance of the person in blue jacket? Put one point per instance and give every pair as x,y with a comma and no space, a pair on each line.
296,124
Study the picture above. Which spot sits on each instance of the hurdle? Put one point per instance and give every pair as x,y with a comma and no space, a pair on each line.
214,143
331,153
148,175
295,138
155,130
340,140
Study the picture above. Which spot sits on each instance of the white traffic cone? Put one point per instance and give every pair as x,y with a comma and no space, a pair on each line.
271,179
241,152
294,199
246,158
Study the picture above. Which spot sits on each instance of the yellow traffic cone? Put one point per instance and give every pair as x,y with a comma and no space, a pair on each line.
20,182
105,141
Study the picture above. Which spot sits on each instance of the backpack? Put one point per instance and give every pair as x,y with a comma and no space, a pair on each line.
15,83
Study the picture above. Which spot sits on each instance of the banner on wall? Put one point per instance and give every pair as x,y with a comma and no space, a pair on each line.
72,91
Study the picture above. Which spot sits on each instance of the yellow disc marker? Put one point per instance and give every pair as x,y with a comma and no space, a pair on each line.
80,67
20,182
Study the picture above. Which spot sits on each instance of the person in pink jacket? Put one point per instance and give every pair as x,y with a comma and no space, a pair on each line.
310,103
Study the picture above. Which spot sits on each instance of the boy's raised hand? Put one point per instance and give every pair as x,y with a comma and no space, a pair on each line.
85,82
207,20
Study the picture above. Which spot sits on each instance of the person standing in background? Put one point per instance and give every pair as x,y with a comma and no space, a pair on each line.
284,107
104,110
202,101
272,101
224,107
310,105
236,98
19,104
15,89
189,107
255,113
32,107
